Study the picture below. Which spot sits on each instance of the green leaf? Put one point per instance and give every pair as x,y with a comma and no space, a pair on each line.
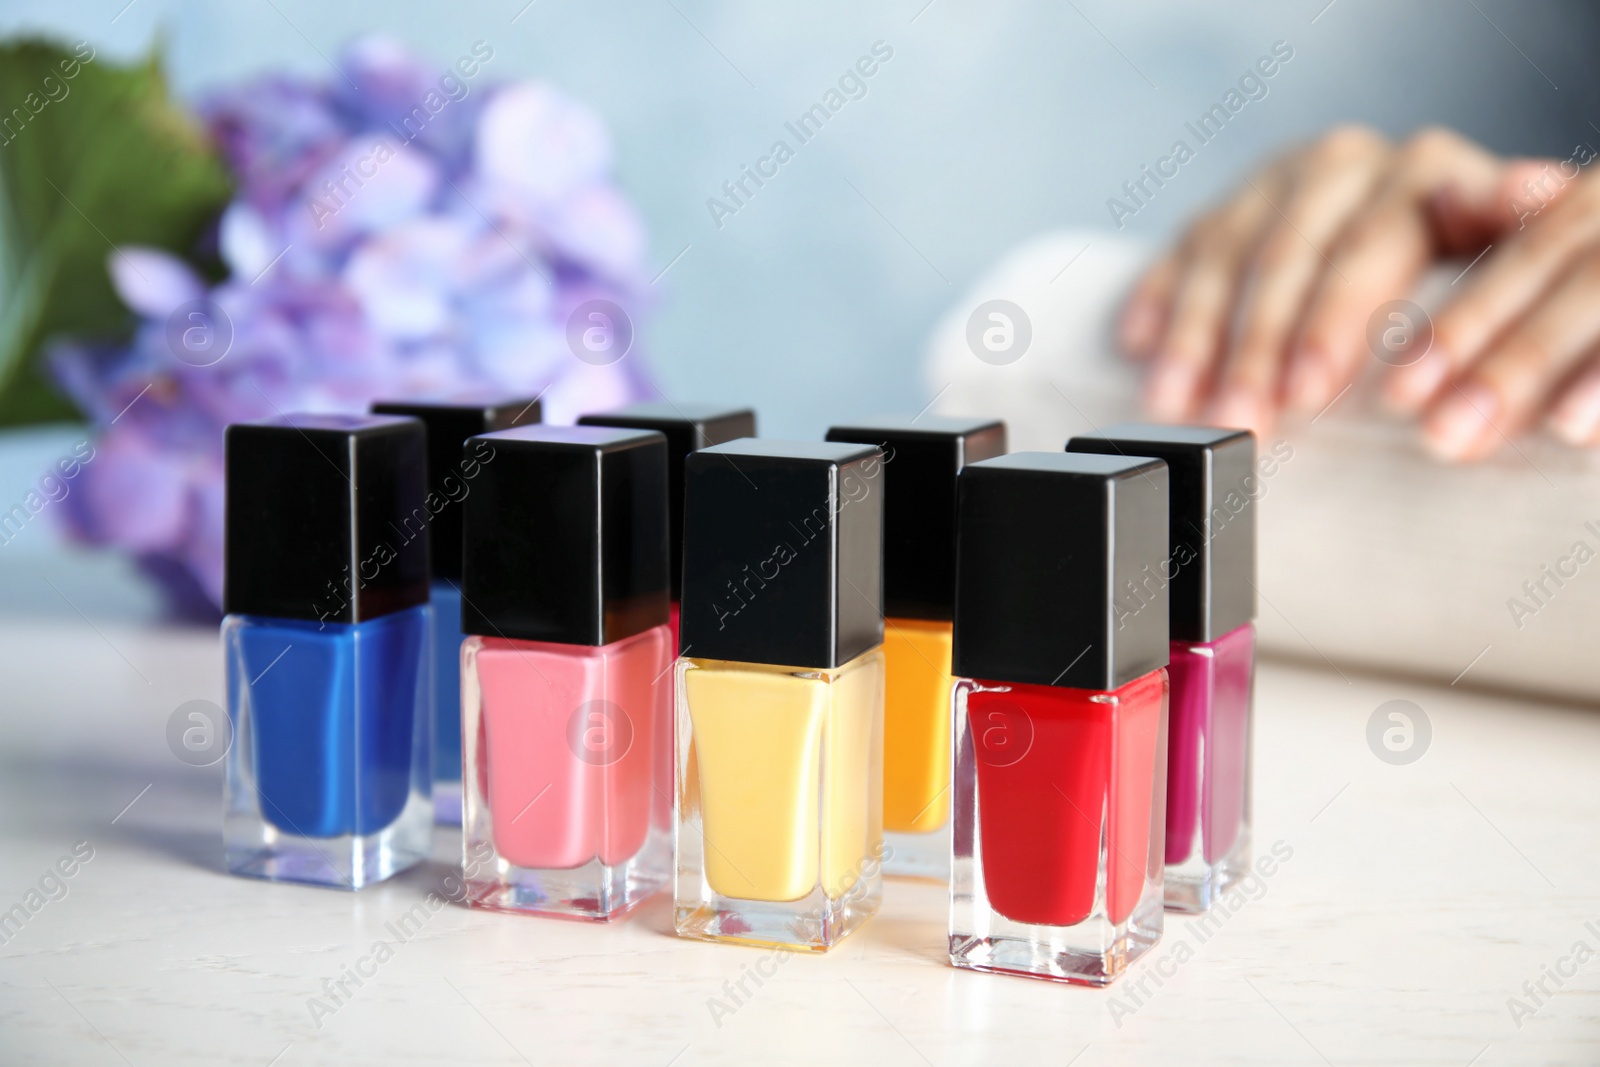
93,156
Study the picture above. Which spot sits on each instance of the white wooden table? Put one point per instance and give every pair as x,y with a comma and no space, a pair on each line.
1418,900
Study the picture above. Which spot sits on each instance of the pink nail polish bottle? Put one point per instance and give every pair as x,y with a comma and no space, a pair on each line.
566,683
1215,483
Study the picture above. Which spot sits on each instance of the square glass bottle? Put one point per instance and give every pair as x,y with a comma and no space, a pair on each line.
688,428
566,673
779,830
1060,717
450,475
1211,570
1208,776
326,641
921,458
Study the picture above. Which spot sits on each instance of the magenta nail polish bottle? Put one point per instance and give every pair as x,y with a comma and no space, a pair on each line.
1210,579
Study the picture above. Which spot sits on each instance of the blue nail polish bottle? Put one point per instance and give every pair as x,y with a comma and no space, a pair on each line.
327,642
446,653
451,472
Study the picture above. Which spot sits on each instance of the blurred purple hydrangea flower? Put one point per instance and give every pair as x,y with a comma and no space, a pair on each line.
420,233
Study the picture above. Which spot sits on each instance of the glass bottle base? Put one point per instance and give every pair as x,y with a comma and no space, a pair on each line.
596,891
1058,828
1092,953
566,749
1208,770
925,856
254,848
328,779
1192,886
779,800
814,923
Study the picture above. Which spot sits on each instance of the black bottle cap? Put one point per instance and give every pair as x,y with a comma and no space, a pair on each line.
921,458
325,517
1051,569
565,535
1213,536
688,428
449,423
783,552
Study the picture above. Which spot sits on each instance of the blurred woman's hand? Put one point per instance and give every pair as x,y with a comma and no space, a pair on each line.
1265,301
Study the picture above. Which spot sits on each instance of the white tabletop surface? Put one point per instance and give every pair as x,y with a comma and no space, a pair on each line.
1418,900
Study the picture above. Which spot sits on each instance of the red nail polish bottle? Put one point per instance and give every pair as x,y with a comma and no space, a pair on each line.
1060,716
1211,568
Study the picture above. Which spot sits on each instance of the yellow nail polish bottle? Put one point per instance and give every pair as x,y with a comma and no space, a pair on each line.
921,458
780,694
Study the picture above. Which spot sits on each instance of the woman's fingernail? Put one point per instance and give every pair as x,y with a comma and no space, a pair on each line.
1138,325
1309,385
1408,388
1577,416
1241,409
1170,391
1459,423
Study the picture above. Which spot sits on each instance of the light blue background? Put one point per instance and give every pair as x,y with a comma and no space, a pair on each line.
992,121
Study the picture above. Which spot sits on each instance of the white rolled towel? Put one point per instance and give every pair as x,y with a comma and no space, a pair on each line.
1371,554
